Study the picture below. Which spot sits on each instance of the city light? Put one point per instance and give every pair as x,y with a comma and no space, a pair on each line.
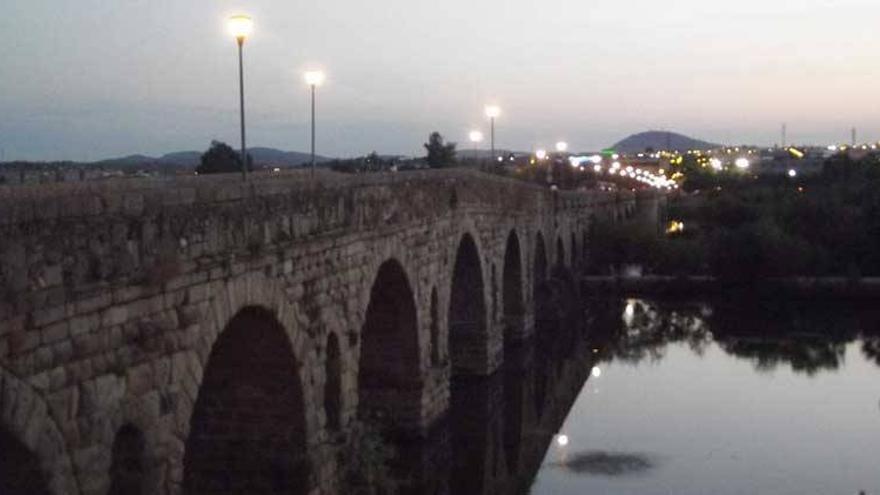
716,164
240,27
561,146
541,154
792,173
475,136
742,163
596,372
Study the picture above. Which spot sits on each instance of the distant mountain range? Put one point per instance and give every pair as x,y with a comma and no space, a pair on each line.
661,140
262,156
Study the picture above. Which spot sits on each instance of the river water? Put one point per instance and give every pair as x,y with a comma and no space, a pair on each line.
681,398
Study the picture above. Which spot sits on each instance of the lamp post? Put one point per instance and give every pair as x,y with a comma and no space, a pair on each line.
314,78
241,26
476,138
493,112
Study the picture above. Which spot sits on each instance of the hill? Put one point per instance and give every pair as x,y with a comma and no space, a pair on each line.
661,140
262,157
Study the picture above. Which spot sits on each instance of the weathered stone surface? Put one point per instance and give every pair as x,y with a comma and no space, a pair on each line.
119,293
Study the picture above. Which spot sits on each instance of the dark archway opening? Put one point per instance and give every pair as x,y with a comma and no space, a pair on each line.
512,292
574,251
467,311
333,385
247,433
389,382
20,472
127,468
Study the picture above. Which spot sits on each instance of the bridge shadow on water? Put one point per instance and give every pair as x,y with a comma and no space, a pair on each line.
497,432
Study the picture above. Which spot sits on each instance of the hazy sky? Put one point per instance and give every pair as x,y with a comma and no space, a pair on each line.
88,79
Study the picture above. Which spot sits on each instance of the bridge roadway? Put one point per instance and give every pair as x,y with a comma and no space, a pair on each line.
156,333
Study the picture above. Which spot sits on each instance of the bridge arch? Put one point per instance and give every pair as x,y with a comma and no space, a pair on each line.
33,454
248,427
389,376
468,332
512,287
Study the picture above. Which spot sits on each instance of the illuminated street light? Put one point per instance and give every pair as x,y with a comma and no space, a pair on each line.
493,112
742,163
314,78
561,146
241,27
541,154
476,137
792,173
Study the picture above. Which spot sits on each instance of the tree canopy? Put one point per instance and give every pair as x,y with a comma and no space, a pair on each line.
222,159
440,154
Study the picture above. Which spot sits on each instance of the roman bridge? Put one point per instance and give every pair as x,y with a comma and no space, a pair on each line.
154,334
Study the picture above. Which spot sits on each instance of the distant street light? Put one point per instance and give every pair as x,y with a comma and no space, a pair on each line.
314,78
240,27
493,112
561,146
476,137
541,154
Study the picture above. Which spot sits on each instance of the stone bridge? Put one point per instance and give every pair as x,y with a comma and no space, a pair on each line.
204,335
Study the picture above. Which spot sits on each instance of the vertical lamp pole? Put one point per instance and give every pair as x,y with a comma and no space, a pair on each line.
314,78
493,112
241,26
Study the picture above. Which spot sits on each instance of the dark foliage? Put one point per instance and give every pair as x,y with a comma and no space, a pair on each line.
222,159
440,153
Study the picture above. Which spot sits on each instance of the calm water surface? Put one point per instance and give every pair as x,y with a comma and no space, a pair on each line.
724,399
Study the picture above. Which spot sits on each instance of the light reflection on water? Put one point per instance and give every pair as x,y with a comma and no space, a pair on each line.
695,399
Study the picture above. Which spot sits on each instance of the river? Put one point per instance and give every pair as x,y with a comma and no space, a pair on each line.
647,397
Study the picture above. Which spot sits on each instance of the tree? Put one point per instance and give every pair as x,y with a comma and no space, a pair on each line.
222,159
440,154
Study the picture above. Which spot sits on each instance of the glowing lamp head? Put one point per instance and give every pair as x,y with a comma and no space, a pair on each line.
562,146
240,27
541,154
792,173
315,77
475,136
742,163
493,111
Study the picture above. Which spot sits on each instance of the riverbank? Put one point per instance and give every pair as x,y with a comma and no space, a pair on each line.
826,288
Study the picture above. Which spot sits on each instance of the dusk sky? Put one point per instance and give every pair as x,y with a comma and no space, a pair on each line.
91,79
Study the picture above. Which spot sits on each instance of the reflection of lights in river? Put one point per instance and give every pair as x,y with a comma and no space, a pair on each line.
562,440
596,372
630,312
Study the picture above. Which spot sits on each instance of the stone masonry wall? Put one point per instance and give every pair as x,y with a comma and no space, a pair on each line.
113,295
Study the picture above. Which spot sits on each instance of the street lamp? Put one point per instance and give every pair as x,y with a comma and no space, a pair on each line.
240,27
314,78
476,137
493,112
561,146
